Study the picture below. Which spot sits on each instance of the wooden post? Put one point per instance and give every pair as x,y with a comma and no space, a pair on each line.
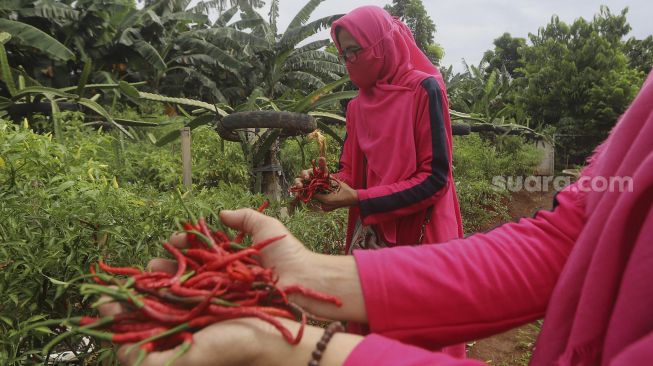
186,158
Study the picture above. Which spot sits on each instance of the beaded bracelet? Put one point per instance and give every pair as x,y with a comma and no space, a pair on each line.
316,356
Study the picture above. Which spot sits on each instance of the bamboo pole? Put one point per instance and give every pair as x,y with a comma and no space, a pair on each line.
186,158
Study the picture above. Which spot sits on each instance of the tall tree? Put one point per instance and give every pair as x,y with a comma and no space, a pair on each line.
413,13
578,77
505,55
640,53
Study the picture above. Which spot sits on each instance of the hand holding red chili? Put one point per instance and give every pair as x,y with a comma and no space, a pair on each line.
317,183
240,341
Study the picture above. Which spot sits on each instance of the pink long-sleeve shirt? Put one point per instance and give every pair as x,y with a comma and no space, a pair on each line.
400,207
586,266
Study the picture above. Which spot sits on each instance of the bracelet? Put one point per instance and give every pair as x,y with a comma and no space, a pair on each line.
316,356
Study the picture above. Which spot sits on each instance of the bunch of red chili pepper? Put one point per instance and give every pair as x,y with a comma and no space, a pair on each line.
320,182
217,278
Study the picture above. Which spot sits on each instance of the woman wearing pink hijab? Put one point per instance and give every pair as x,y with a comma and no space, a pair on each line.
396,163
586,266
395,174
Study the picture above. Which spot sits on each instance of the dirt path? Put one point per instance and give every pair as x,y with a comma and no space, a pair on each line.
513,347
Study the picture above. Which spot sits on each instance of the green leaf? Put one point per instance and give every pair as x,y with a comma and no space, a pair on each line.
188,17
56,121
101,86
7,320
328,115
43,90
62,187
334,97
304,14
303,78
103,112
29,36
233,34
129,90
35,318
151,137
316,45
223,59
5,72
294,36
5,102
45,330
324,127
150,54
132,123
225,17
4,37
303,105
247,23
88,66
57,282
182,101
173,135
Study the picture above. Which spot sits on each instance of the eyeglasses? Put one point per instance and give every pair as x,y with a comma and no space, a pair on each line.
349,54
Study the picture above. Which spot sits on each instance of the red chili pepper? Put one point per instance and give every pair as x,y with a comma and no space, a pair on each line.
201,255
134,326
226,281
262,244
222,262
131,337
296,289
126,271
181,262
191,282
96,279
240,272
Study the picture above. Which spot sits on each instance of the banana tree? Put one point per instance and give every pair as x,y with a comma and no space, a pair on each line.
26,94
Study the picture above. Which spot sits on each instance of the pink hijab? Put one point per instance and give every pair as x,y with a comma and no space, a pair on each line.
384,112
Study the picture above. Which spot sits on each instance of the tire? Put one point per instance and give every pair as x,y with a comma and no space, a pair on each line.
460,129
292,124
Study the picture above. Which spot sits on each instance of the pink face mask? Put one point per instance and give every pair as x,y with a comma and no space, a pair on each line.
365,71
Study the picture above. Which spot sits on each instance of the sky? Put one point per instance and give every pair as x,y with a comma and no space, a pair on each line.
466,28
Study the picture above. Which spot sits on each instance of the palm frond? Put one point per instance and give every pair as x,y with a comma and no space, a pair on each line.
230,33
223,59
293,36
29,36
150,54
316,66
313,55
304,14
303,78
225,17
274,16
315,45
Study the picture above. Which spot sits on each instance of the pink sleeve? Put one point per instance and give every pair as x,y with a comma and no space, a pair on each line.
344,172
380,351
431,179
638,353
442,294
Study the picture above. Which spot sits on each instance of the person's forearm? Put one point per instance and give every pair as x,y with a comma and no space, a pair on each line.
282,353
338,276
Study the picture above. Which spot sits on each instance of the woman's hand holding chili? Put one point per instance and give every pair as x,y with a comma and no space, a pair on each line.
344,196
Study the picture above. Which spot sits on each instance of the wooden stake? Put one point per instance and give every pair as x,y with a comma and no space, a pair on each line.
186,158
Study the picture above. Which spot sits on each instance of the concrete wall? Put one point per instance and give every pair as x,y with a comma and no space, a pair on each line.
547,165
